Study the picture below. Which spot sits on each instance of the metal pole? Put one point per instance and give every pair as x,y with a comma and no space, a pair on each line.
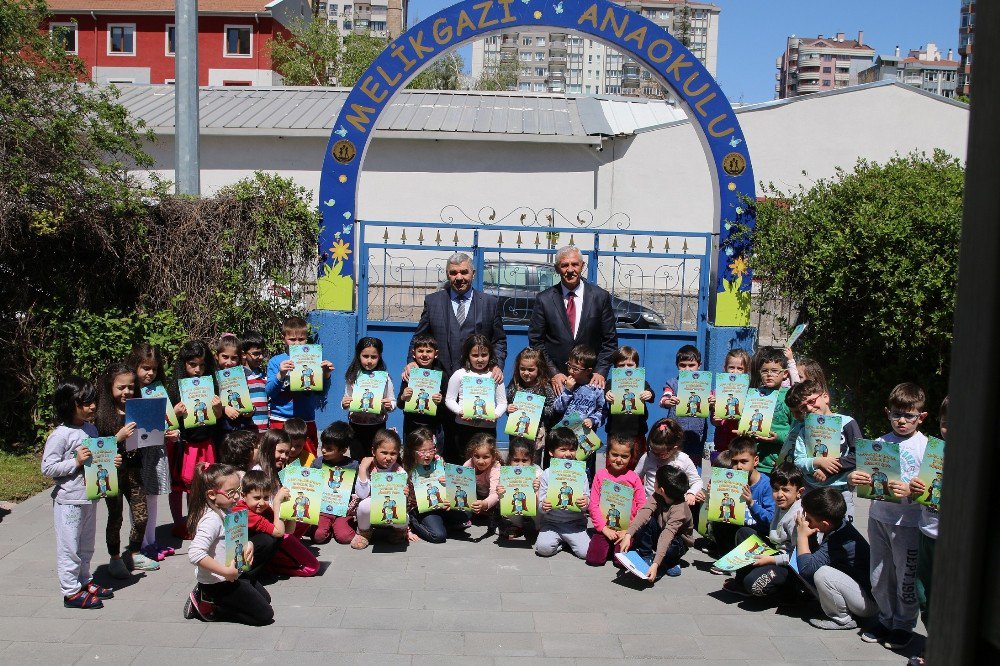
187,167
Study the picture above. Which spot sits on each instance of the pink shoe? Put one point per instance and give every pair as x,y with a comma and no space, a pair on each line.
164,551
153,553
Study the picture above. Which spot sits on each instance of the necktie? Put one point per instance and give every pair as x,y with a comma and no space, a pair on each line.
463,305
571,312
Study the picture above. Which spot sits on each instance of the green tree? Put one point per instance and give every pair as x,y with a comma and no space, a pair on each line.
500,75
445,73
317,55
871,257
359,53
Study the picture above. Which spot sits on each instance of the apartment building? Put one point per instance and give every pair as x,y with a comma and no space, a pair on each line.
923,68
382,18
824,63
567,62
965,31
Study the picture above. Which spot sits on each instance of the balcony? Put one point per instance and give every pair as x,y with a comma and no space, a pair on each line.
812,61
555,75
809,76
808,87
557,46
557,61
558,36
508,42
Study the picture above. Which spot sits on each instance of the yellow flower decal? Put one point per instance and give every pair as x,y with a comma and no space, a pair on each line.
340,250
739,267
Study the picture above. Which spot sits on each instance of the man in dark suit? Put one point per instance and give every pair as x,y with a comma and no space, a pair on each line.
571,313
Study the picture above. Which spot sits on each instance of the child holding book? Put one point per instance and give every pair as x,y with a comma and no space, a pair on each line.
532,375
335,444
737,361
367,360
147,362
298,433
559,527
580,396
425,355
893,529
606,539
756,495
289,557
771,372
386,447
252,358
695,429
421,460
522,454
663,526
284,404
485,460
664,444
227,356
221,593
74,516
631,427
478,360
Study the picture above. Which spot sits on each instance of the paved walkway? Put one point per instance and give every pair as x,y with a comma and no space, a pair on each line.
460,602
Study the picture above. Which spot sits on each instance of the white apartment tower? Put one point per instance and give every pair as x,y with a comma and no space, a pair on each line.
567,62
382,18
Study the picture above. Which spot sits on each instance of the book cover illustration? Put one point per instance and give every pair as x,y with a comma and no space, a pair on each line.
197,394
233,389
428,489
158,390
338,484
633,563
743,555
725,504
587,438
787,453
796,334
616,504
932,473
730,393
389,498
478,398
369,389
99,473
758,412
425,383
693,389
234,525
822,434
519,497
527,415
305,488
147,414
460,482
307,375
567,482
627,384
880,460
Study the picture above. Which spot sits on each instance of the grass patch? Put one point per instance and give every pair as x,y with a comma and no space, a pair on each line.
21,476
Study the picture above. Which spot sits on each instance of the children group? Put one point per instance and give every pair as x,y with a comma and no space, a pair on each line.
801,506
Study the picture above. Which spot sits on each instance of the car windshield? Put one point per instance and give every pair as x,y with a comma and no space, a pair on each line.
547,277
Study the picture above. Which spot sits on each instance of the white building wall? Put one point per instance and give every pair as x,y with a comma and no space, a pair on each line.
257,77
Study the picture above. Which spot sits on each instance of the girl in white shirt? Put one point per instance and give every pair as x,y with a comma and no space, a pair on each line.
478,361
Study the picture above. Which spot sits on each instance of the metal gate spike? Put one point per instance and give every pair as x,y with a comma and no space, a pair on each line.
519,239
385,236
499,240
538,240
649,248
633,243
402,237
685,248
437,238
570,237
666,245
420,238
614,243
455,239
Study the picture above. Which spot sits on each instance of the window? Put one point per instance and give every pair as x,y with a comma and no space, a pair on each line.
826,84
539,71
64,34
239,41
826,70
664,13
171,38
526,41
505,275
539,56
524,55
524,86
121,40
827,57
539,41
378,26
597,73
114,81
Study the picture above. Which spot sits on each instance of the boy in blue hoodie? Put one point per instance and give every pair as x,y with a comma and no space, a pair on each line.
756,495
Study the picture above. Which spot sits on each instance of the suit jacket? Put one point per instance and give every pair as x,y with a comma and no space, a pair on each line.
549,330
438,320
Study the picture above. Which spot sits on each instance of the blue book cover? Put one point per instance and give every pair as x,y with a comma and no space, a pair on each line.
147,414
633,563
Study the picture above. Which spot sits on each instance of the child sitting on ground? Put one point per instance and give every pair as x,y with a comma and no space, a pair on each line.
335,443
756,495
664,446
663,526
560,527
298,435
290,557
522,454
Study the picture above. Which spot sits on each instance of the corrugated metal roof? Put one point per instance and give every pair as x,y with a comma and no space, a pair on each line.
302,111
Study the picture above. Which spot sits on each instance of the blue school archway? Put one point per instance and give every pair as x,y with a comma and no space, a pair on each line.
670,61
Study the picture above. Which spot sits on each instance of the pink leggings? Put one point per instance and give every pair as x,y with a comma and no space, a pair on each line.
337,527
293,559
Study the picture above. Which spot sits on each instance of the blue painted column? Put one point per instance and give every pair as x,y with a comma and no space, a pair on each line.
337,332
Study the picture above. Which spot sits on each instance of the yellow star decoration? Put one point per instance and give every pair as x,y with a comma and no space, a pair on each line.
538,15
343,178
739,267
340,250
732,186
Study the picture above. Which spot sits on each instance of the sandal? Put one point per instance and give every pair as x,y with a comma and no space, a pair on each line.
83,599
361,539
100,592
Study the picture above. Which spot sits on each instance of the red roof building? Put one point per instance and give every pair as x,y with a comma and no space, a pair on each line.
133,41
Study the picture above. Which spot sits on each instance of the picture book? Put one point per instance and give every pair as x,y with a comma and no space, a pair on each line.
305,488
787,453
460,482
822,435
796,334
425,383
233,389
931,473
157,390
725,504
616,504
567,482
478,398
338,484
880,460
693,389
389,498
758,411
527,415
197,394
744,554
730,394
99,473
147,414
369,389
234,525
307,375
628,384
588,439
428,489
520,498
633,563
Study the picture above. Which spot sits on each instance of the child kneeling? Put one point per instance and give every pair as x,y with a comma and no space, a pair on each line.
663,527
561,526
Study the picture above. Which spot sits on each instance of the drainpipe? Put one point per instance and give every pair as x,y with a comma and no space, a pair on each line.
186,135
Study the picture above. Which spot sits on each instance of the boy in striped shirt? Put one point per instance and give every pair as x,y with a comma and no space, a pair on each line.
252,357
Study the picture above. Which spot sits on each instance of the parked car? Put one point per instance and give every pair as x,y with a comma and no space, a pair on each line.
516,283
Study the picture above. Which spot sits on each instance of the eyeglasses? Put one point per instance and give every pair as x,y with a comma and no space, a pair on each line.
771,372
809,402
903,416
233,494
573,367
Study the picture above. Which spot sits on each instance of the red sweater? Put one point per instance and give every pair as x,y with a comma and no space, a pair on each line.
258,522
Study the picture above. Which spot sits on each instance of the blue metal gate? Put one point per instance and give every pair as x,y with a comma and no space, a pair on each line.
659,282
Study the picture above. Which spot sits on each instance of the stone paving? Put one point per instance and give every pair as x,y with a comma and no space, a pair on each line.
461,602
